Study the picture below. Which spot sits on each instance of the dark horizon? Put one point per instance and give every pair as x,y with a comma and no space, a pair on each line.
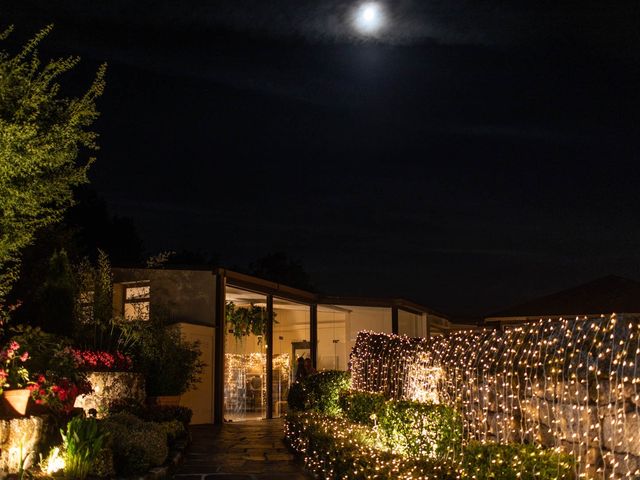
472,158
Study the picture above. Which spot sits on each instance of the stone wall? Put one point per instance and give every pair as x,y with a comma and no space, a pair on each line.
19,437
571,385
110,386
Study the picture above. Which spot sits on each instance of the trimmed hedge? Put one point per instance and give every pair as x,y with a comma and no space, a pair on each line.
334,448
360,407
515,461
152,413
319,392
136,445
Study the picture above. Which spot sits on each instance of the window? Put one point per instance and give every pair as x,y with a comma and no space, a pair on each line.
136,301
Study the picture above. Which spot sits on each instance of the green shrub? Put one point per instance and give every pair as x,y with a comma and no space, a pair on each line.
320,392
82,442
152,413
170,363
103,464
337,449
166,413
360,407
514,462
297,397
137,446
174,430
421,430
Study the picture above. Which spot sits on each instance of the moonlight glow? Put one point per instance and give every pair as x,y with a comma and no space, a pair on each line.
369,18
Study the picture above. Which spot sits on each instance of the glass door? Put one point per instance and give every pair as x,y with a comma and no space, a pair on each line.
245,388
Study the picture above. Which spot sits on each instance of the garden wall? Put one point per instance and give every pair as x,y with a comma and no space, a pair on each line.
110,386
19,442
571,385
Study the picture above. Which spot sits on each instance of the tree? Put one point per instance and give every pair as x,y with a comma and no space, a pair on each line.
277,267
44,138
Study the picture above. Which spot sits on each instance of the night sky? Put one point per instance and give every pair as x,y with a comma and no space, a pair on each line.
475,154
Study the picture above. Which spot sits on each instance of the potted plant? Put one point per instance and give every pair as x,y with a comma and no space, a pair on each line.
14,378
245,321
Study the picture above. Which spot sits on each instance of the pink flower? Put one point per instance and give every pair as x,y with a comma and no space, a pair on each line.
24,357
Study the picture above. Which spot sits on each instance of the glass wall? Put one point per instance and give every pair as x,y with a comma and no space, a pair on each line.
245,373
291,341
332,338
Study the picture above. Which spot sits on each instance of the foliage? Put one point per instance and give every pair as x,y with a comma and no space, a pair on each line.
334,448
103,464
59,396
83,440
42,136
245,321
13,373
136,445
56,374
361,407
320,392
98,326
420,429
97,361
174,430
514,462
55,299
152,413
297,397
171,365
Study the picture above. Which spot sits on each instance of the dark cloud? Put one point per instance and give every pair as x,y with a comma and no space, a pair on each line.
594,24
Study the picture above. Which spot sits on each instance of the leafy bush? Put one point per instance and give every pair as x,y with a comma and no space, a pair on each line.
360,407
514,462
136,445
335,448
320,392
83,440
420,429
174,430
297,397
171,365
152,413
103,464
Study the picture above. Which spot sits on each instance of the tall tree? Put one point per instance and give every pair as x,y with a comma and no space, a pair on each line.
44,140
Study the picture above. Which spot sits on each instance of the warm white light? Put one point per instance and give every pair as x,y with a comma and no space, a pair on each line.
369,18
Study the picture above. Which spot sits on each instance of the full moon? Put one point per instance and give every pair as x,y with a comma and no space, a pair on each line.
369,18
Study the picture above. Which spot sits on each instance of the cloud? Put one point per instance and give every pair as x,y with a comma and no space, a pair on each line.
590,23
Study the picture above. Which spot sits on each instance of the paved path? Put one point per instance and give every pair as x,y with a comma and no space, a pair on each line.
240,451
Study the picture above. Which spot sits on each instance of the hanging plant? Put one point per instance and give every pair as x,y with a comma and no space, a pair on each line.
245,321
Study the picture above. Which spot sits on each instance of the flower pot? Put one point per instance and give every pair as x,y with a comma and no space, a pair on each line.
16,400
172,400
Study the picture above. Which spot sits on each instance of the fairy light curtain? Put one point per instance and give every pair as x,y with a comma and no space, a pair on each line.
572,385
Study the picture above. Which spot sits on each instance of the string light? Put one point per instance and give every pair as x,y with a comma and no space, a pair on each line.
570,385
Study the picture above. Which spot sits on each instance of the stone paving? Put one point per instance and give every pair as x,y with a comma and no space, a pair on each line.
240,451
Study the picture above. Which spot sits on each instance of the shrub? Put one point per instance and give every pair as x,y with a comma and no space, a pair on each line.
83,440
136,445
174,430
335,448
171,365
514,462
297,397
421,430
103,464
360,407
320,392
152,413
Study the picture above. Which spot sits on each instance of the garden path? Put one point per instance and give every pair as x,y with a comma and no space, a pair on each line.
251,450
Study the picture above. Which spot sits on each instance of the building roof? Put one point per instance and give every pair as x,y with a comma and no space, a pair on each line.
606,295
